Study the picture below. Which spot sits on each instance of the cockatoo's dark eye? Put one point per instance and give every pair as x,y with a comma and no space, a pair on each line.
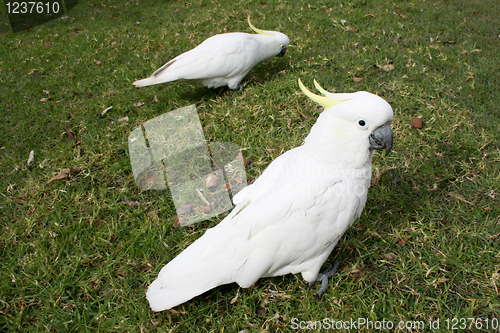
361,123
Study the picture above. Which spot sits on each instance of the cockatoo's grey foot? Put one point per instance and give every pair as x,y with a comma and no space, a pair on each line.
323,278
239,88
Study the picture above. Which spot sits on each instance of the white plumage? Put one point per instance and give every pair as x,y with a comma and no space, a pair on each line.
221,60
291,218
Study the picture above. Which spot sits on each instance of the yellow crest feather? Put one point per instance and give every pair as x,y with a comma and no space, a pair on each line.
259,31
320,88
321,100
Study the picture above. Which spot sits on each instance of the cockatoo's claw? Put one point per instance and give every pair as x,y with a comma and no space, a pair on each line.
323,288
323,277
239,88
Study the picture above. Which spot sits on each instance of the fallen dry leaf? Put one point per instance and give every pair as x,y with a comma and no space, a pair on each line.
202,198
416,122
352,29
357,273
434,187
235,298
376,179
177,223
131,203
44,99
262,310
61,175
387,68
97,62
69,133
370,15
357,78
211,181
103,112
403,241
138,104
390,256
461,198
152,214
31,158
441,280
122,119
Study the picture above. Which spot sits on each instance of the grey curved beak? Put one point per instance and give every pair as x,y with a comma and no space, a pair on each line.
282,52
382,138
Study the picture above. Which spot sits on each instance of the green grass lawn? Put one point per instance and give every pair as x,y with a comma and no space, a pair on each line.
77,256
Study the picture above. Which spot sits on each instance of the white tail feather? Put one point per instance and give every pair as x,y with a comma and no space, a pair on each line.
163,299
202,266
148,81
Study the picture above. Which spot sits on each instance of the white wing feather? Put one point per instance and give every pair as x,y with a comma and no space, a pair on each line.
263,236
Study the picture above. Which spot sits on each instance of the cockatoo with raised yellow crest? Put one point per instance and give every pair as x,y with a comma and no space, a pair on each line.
221,60
290,219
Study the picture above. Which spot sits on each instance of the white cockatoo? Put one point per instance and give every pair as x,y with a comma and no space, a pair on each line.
221,60
290,219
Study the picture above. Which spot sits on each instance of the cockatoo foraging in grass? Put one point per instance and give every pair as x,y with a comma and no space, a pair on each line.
290,219
221,60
